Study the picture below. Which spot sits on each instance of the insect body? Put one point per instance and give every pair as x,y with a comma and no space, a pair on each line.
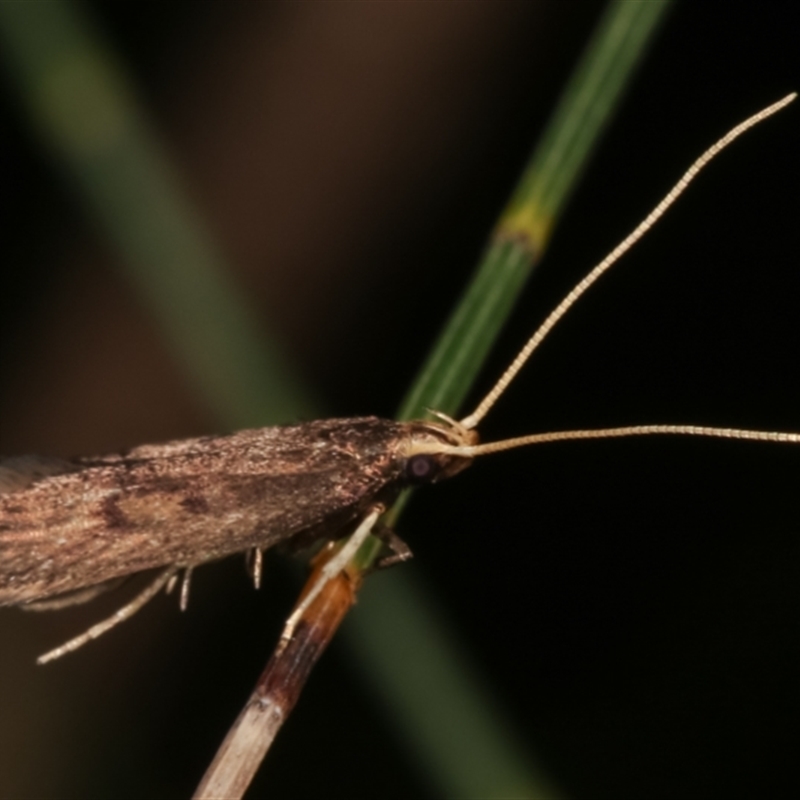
67,527
187,502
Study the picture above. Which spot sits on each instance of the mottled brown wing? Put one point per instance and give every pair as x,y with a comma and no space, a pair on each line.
190,501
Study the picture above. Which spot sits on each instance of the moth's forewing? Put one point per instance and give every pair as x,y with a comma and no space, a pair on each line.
191,501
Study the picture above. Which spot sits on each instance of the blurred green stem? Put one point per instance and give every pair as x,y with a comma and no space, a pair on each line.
87,113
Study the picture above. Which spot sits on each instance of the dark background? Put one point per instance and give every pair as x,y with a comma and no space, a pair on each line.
634,603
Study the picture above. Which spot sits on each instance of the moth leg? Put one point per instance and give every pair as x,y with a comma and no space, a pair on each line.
399,550
255,565
75,598
333,568
126,612
183,602
187,577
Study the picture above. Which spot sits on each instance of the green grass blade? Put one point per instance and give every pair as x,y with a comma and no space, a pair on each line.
523,231
445,711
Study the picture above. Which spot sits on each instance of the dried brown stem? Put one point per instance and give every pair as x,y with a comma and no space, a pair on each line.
279,687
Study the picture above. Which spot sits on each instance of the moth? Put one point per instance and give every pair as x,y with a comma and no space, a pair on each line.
71,529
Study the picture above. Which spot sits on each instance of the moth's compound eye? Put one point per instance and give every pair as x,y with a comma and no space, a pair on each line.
421,468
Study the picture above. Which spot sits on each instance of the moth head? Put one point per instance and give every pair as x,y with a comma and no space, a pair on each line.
428,450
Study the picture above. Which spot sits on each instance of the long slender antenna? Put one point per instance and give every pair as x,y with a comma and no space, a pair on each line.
472,451
491,398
